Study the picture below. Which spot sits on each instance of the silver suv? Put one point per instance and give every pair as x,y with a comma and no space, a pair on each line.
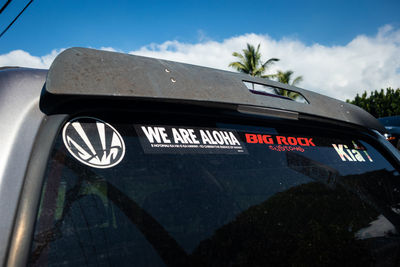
109,159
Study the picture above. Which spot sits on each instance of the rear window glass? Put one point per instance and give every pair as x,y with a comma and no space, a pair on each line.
203,192
390,121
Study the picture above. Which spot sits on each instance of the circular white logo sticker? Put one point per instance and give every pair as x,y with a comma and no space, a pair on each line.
93,142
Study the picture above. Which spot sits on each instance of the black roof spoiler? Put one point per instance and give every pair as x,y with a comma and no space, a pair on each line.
89,72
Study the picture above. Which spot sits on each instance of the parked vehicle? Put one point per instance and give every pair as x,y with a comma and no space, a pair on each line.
392,126
109,159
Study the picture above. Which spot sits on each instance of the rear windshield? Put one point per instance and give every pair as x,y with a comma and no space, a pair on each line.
209,192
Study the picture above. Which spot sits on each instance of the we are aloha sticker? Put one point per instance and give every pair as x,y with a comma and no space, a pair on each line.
192,140
93,142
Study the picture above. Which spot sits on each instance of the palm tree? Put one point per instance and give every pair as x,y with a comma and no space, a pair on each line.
285,77
250,62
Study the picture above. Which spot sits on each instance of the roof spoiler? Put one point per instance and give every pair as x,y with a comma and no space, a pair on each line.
90,73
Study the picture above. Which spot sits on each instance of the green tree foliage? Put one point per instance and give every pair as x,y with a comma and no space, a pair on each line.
250,62
379,104
286,77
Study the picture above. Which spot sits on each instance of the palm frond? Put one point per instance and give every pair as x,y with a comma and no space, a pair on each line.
250,61
236,54
269,76
270,62
239,67
297,80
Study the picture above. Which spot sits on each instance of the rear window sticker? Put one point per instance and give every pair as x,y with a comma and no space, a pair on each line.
357,146
286,148
355,154
280,142
193,140
278,139
368,156
93,142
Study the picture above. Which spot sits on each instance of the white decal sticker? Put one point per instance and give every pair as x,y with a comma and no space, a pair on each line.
192,140
347,154
93,142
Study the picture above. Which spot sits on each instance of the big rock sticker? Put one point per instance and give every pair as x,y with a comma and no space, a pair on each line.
280,142
192,140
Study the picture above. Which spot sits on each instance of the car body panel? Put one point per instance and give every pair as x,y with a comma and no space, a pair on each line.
20,121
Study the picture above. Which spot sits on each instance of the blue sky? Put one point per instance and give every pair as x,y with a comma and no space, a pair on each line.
341,48
129,25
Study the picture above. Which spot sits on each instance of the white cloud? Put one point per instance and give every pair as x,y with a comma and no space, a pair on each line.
109,49
24,59
365,63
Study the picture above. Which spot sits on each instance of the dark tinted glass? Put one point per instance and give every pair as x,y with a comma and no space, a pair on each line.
271,195
390,121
